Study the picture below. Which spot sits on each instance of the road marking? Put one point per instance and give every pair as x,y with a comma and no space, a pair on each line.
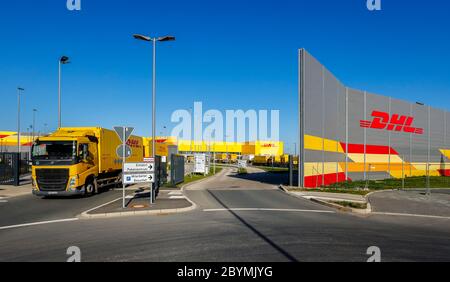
101,206
411,215
176,193
3,201
177,197
262,209
38,223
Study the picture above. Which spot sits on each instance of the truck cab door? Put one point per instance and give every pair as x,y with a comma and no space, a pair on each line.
93,154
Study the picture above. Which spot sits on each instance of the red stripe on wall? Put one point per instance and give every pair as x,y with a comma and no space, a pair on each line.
332,178
444,172
369,149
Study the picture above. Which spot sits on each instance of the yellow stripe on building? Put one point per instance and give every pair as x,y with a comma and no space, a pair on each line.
318,144
446,153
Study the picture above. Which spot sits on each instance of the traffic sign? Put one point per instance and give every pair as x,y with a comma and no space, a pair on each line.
242,163
124,133
139,168
149,160
139,178
128,151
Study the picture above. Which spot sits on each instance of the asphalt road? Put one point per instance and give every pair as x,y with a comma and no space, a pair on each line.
237,220
29,208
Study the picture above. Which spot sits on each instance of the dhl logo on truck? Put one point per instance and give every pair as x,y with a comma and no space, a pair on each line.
396,122
133,143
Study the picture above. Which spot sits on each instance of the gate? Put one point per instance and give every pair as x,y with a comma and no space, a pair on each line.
177,169
10,168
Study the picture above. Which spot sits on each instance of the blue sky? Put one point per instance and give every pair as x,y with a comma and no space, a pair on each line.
230,54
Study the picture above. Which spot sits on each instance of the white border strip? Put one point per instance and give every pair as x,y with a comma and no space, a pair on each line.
263,209
98,207
38,223
410,215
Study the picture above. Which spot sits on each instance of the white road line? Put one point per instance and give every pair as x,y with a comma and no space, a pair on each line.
262,209
177,197
101,206
176,193
410,215
38,223
3,201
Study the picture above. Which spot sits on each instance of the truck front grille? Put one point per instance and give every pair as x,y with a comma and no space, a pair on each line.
52,180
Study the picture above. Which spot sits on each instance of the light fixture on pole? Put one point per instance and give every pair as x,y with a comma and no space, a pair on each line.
154,40
19,89
62,61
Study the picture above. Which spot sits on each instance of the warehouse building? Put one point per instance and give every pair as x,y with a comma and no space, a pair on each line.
222,150
8,142
166,146
348,134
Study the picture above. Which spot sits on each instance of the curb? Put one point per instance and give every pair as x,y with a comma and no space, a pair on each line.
86,215
366,211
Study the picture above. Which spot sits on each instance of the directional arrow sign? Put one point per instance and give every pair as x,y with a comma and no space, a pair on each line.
124,132
128,151
139,178
139,168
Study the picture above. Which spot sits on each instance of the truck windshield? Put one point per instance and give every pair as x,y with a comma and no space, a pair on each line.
54,150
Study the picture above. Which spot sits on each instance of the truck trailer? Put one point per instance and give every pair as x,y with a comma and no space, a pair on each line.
79,161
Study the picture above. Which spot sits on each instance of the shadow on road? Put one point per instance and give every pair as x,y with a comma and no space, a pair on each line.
265,177
259,234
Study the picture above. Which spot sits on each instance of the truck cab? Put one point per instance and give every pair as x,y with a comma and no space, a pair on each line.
64,166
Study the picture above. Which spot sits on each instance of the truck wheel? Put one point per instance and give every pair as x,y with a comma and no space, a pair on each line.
89,188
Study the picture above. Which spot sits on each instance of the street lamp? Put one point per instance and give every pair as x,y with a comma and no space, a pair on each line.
62,61
154,40
19,89
34,125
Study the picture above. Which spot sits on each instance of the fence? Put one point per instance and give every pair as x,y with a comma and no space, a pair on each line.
347,134
10,169
177,169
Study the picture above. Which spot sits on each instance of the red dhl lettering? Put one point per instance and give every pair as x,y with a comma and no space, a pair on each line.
133,143
396,122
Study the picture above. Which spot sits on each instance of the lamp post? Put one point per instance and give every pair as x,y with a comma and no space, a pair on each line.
192,137
34,125
62,61
19,90
153,40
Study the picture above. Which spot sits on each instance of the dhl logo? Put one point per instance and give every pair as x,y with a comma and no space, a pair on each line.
268,145
396,122
133,143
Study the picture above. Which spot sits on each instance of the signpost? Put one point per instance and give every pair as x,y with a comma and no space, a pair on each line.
151,162
124,152
242,163
139,178
139,167
200,165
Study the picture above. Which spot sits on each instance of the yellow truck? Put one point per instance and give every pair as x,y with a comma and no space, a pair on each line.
79,161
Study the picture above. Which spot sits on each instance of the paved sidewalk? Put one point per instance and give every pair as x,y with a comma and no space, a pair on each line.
7,191
334,197
412,202
168,201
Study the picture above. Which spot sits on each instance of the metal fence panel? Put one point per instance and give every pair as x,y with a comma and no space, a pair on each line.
364,135
10,169
177,169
